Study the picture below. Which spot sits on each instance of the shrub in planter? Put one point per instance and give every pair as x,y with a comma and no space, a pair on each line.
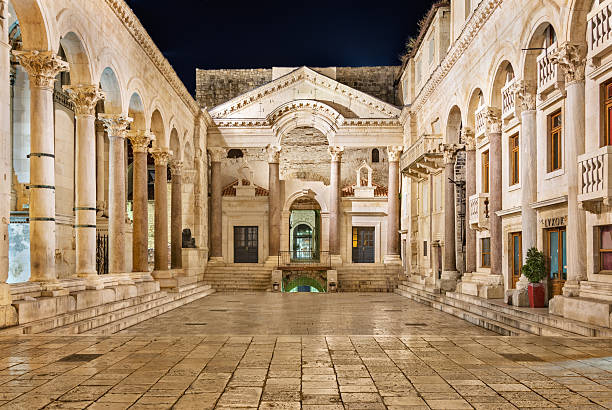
535,270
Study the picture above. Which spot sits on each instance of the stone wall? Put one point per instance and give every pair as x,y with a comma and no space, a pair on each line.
461,218
375,81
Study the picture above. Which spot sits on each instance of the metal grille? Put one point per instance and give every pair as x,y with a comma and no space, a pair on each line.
102,254
296,259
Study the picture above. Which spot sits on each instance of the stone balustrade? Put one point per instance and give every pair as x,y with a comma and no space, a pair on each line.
478,211
599,30
595,176
550,76
424,154
481,121
508,100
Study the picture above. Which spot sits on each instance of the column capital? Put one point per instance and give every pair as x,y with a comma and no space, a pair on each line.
176,166
42,66
524,96
115,124
394,152
217,154
449,151
140,140
468,139
336,152
273,152
160,155
492,121
84,97
571,57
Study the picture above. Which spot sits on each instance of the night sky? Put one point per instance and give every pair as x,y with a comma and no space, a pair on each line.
261,34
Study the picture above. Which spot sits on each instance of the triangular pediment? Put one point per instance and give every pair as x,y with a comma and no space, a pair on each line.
304,84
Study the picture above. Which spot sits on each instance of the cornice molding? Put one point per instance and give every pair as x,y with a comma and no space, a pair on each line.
480,16
135,28
348,122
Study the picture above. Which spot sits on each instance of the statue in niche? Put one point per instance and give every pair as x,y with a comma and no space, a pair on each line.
188,240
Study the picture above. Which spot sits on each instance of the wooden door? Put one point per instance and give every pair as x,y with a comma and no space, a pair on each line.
557,256
246,244
363,244
516,257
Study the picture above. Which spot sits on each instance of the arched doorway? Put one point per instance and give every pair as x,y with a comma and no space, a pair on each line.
305,229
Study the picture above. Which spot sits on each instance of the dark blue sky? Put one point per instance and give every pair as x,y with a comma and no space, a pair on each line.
261,34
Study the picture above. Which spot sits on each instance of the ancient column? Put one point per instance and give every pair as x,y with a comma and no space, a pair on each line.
495,192
5,142
85,98
161,157
100,177
334,200
140,140
42,67
470,189
525,100
116,128
176,215
449,262
571,58
274,205
393,246
216,212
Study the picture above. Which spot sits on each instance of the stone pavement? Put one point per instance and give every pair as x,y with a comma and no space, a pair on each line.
447,364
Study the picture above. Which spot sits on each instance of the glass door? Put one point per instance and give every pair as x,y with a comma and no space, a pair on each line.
517,257
363,244
246,243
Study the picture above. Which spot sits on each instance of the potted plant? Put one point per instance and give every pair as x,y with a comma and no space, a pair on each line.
535,270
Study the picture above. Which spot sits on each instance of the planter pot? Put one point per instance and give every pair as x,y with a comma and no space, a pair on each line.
537,295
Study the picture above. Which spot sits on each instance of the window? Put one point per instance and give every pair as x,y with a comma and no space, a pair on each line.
424,248
235,153
605,248
554,141
375,155
608,114
517,257
514,159
485,172
485,252
550,37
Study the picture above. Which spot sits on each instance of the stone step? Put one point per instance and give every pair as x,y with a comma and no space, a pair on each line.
119,319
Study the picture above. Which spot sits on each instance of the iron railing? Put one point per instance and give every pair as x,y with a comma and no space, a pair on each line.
102,254
299,259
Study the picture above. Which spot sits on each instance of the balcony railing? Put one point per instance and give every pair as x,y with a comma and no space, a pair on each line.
424,147
508,101
599,30
304,259
595,176
481,121
479,211
549,74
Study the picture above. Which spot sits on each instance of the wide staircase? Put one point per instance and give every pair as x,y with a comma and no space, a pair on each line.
238,278
497,316
359,278
77,313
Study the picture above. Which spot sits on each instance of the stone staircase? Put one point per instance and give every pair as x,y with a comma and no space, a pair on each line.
107,318
497,317
373,278
238,278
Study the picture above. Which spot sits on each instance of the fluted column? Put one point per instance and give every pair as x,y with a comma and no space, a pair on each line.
42,67
274,205
85,98
216,211
393,246
176,215
449,262
116,128
161,157
571,58
334,199
495,194
140,140
5,141
470,189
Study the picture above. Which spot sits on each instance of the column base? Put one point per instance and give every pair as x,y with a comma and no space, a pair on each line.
271,262
592,311
392,260
335,260
216,260
483,285
92,281
448,280
571,288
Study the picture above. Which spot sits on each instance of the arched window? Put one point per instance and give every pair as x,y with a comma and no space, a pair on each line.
235,153
375,155
550,37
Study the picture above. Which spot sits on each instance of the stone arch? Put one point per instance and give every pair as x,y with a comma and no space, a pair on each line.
453,125
504,73
136,112
78,58
157,128
529,59
304,281
304,193
188,155
175,145
33,24
112,91
136,87
576,23
305,113
475,101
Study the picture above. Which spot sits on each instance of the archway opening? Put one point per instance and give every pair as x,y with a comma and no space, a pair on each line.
305,229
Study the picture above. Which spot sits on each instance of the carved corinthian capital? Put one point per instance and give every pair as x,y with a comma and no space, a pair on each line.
42,66
336,152
394,152
176,167
217,154
572,59
492,121
467,137
449,151
116,125
525,96
273,152
84,98
161,155
140,140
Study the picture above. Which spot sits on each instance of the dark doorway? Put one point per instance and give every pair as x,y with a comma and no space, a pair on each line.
363,244
246,243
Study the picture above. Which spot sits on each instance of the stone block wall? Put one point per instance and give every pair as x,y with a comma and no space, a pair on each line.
461,218
375,81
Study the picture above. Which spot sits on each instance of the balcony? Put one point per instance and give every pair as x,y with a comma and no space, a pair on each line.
508,101
423,157
595,176
599,31
479,211
550,75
